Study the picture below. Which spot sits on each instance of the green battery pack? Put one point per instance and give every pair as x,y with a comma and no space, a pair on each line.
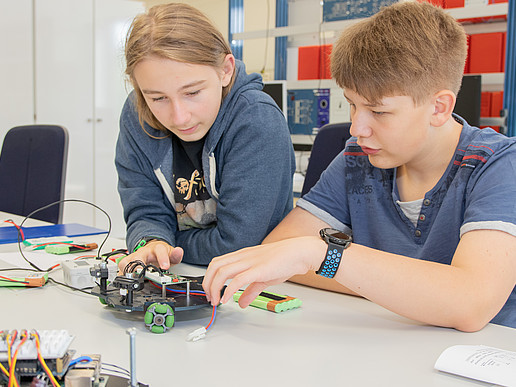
271,301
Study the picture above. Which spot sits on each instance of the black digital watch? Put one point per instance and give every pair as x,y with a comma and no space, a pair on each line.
337,242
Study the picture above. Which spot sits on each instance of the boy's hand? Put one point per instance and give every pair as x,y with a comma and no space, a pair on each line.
260,267
156,252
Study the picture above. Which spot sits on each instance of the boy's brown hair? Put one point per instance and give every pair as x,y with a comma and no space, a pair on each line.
173,31
408,48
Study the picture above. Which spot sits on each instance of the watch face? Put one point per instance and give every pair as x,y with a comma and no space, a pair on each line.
335,236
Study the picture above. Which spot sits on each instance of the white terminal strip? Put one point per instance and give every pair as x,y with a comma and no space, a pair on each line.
53,344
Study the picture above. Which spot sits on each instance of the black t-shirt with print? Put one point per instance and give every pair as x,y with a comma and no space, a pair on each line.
194,206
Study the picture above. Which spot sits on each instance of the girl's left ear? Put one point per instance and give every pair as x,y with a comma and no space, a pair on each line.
444,103
228,68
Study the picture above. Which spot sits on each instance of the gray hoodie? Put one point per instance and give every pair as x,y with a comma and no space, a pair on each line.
248,162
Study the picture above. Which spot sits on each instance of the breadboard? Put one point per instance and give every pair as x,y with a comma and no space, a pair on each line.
53,344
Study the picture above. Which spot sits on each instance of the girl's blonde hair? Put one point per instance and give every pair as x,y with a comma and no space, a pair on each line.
409,48
173,31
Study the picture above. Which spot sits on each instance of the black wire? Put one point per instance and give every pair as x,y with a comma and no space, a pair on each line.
154,267
116,366
131,266
19,269
53,204
69,287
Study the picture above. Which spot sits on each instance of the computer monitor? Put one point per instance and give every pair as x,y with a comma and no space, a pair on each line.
278,91
468,99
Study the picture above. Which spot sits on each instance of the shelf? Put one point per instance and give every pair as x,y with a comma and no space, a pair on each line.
493,121
487,79
474,11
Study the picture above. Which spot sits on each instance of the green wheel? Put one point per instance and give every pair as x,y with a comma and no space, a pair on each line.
102,301
159,317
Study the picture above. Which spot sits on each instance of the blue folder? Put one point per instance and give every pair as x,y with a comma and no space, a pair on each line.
10,234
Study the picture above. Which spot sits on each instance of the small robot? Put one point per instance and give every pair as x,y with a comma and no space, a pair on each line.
160,294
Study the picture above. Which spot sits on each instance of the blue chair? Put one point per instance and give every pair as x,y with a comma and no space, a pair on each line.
330,140
33,170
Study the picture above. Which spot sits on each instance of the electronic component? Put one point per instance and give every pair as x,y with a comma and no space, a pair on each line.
61,248
84,373
159,294
76,273
52,345
41,243
31,279
271,301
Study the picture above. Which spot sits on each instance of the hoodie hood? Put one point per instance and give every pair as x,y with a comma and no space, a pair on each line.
243,82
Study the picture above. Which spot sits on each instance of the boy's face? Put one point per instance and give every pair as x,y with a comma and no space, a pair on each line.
392,133
185,98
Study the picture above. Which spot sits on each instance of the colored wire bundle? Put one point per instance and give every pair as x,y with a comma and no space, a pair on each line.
195,293
10,339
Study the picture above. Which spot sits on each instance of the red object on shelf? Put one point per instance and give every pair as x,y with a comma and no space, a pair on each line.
453,3
504,45
438,3
486,53
314,62
485,104
466,65
496,103
308,62
325,61
498,1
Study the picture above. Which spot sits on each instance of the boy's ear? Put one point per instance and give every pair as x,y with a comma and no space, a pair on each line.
444,102
228,68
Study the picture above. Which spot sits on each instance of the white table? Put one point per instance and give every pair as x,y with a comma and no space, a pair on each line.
332,339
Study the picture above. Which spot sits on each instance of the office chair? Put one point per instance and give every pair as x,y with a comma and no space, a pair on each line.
33,170
330,140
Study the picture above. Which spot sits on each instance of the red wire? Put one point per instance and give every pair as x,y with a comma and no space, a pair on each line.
63,243
12,280
212,317
82,256
178,291
18,228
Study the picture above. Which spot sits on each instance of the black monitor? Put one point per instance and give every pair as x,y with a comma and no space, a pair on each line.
278,91
468,99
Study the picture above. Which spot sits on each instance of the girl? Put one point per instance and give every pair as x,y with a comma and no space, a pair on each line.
204,157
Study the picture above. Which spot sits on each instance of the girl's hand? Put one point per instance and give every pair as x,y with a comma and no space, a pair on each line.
156,252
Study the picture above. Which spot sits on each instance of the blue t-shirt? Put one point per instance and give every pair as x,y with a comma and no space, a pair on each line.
477,191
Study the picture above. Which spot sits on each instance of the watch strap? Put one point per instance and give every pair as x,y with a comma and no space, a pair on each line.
331,261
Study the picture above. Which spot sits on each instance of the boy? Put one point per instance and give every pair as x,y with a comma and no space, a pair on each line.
428,199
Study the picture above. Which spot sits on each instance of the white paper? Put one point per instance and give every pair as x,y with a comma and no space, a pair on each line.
41,259
487,364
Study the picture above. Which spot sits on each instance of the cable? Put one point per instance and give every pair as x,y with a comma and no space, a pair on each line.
12,376
42,361
69,287
22,238
121,369
195,293
17,227
12,280
81,359
213,314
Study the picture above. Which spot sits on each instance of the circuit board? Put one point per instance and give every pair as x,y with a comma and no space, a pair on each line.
53,348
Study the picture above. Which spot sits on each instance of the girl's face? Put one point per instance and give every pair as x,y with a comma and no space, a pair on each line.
184,97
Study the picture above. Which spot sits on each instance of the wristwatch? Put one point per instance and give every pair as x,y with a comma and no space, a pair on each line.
337,242
142,242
